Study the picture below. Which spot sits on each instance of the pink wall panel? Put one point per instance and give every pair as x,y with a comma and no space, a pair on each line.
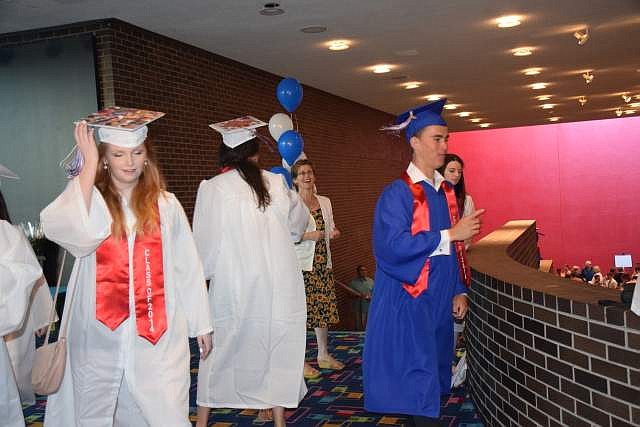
579,181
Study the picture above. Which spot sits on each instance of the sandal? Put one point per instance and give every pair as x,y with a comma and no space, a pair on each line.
330,363
264,415
310,372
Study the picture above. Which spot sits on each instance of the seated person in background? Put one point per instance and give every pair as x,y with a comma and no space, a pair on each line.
566,271
575,271
587,272
363,285
618,274
596,281
575,276
610,282
597,278
636,272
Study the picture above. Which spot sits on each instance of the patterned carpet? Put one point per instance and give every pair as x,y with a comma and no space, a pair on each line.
335,399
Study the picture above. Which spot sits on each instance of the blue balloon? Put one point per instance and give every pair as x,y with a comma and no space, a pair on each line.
289,93
290,146
282,171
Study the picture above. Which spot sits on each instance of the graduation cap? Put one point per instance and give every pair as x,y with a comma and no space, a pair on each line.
122,126
123,138
238,131
6,173
416,119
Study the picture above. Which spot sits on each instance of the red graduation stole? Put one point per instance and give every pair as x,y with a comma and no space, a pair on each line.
421,223
112,284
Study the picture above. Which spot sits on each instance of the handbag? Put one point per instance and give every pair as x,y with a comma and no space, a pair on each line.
51,358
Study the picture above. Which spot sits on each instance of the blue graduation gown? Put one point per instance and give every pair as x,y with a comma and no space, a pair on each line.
407,353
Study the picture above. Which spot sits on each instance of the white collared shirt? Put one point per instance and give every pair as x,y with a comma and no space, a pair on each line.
416,175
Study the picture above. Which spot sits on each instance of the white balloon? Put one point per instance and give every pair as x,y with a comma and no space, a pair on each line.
287,166
279,124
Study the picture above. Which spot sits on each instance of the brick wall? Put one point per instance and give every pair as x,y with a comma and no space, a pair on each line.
539,359
354,161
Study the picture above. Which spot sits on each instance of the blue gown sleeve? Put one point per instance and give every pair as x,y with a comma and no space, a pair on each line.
399,254
461,288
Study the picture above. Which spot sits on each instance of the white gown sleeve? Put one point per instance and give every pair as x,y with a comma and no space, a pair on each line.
189,277
41,307
298,215
207,226
469,206
17,277
67,222
469,209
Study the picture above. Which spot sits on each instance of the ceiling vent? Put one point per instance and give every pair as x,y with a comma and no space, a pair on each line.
314,29
271,9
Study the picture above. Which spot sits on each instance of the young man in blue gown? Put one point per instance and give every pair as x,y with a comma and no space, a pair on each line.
419,281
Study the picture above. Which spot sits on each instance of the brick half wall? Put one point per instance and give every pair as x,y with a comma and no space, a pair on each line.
542,351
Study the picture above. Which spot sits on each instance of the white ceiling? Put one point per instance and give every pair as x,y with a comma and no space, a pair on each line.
462,54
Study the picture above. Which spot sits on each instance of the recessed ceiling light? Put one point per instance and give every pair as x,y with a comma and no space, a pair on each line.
509,21
339,44
582,36
626,97
538,86
476,120
485,125
547,106
411,85
532,71
433,97
618,111
314,29
451,106
464,114
543,97
582,100
381,68
522,51
271,9
588,77
554,119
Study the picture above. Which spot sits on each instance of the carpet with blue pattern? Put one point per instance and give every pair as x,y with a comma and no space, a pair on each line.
334,399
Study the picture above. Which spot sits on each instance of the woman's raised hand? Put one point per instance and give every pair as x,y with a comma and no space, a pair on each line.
83,135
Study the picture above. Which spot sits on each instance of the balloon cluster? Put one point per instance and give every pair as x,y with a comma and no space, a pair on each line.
290,143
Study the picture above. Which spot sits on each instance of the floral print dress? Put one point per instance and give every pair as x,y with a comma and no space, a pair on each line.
322,306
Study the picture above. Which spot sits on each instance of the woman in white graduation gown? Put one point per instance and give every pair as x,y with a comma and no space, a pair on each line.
19,272
21,344
137,287
245,224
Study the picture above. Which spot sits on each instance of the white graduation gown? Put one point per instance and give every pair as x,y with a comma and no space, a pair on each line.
635,302
21,344
118,372
19,270
256,294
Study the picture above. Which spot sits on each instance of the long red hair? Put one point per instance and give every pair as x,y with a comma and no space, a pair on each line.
144,197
